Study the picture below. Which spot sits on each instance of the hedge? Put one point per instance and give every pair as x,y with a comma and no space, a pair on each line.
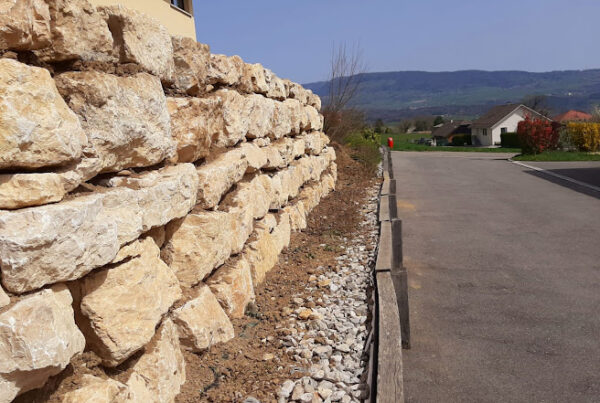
510,140
585,136
461,140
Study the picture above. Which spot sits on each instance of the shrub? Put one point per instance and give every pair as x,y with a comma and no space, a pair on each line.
509,140
461,140
537,135
585,136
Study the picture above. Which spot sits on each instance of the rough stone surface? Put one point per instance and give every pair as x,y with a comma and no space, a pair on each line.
191,60
253,79
260,112
194,122
97,390
78,32
276,86
125,118
202,322
161,370
4,299
37,129
262,251
232,285
255,194
142,40
235,123
24,24
123,304
225,70
218,176
38,338
64,241
255,156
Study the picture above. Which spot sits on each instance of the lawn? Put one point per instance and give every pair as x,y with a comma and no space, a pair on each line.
403,142
559,156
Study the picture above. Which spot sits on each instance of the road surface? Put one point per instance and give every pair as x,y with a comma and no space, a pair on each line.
504,280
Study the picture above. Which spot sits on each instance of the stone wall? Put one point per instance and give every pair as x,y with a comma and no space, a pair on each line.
146,188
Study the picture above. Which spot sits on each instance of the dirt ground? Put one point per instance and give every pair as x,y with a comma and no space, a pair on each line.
252,364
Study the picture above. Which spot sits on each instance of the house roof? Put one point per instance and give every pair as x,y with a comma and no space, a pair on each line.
572,115
497,113
448,128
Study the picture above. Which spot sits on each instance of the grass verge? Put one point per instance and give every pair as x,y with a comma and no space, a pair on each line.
403,142
363,150
559,156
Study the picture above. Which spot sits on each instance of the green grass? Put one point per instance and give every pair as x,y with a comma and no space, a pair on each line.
559,156
363,150
403,142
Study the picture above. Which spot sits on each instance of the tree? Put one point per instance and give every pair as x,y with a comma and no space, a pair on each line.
438,120
379,126
421,126
538,103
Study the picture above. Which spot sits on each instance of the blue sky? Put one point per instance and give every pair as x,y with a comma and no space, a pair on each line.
294,38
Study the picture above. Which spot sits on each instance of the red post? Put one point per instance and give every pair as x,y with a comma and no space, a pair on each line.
391,143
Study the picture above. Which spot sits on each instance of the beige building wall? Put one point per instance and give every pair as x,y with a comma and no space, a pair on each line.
177,21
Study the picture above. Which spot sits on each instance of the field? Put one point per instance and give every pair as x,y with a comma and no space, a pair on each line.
404,142
559,156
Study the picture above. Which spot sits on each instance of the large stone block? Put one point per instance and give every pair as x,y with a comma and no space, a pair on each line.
297,116
24,24
202,322
98,390
255,194
255,155
296,91
218,176
225,70
198,243
315,142
142,40
37,129
38,339
314,119
281,123
235,121
191,65
260,112
314,100
232,285
194,122
123,304
65,241
78,32
125,118
253,79
4,299
276,86
280,153
158,375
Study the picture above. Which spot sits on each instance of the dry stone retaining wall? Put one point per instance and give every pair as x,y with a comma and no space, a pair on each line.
146,188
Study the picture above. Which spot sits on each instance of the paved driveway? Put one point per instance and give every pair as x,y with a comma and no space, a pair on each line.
504,281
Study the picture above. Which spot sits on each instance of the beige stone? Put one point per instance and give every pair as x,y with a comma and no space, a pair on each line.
142,40
271,235
218,176
78,33
225,70
38,339
64,241
24,24
4,299
253,79
281,123
124,303
297,92
314,100
198,243
280,153
161,370
314,120
232,285
315,142
297,214
297,116
255,155
33,189
191,60
202,322
37,129
255,193
125,118
260,112
235,121
157,234
194,122
97,390
276,86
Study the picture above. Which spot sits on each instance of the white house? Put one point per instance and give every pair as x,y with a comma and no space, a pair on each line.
486,130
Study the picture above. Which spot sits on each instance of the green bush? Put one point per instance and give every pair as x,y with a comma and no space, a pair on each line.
460,140
509,140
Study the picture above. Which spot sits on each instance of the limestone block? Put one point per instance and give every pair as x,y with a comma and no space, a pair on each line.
297,92
253,79
297,116
38,338
142,40
232,286
315,142
262,251
276,86
280,153
225,70
33,189
260,112
37,129
157,234
314,100
78,32
255,193
194,122
198,243
281,124
24,24
125,118
218,176
297,214
298,147
161,370
191,60
282,232
65,241
123,304
235,123
314,119
202,322
97,390
4,299
255,155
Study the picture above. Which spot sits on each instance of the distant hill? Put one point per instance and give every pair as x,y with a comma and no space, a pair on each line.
397,95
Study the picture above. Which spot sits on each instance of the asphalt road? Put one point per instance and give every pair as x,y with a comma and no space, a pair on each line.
504,281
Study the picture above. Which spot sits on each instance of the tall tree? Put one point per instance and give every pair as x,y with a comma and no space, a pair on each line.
538,103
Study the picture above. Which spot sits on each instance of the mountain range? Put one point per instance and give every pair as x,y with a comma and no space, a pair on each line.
393,96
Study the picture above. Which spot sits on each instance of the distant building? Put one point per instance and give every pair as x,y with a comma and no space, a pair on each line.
486,130
573,116
176,15
444,133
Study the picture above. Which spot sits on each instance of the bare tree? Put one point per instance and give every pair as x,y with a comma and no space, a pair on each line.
538,103
346,70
